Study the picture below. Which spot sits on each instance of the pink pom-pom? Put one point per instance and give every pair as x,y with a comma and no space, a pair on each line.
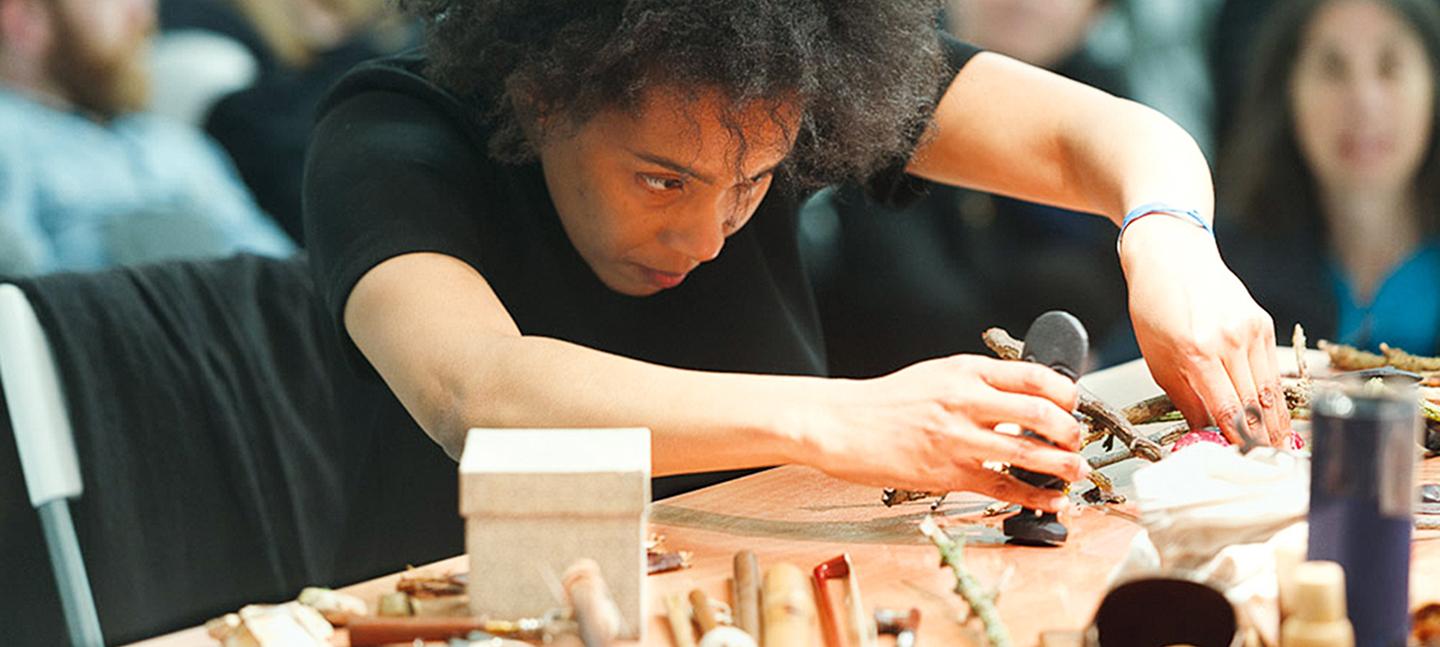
1201,436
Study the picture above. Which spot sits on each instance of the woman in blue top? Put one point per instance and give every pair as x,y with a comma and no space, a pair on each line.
1332,173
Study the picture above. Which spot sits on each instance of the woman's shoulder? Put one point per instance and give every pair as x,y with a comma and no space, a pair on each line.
381,92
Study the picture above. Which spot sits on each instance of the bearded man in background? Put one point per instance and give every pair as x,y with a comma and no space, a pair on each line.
87,179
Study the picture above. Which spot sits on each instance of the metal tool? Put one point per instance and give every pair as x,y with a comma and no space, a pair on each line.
903,627
1386,373
1058,340
859,628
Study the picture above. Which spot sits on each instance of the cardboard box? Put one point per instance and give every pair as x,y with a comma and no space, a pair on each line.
536,500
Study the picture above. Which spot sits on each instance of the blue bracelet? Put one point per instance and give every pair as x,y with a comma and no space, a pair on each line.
1163,209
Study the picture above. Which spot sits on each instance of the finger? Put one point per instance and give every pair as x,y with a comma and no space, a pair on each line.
1030,454
1242,378
1264,363
1005,487
1212,385
1186,401
1029,378
1036,414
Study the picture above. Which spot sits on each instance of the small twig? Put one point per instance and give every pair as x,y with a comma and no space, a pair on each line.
1408,362
1430,410
1350,358
895,496
1297,343
1107,417
1149,410
1101,415
1002,344
1102,483
997,508
981,604
1161,438
1000,584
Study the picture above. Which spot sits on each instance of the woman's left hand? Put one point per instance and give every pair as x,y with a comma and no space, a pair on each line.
1206,341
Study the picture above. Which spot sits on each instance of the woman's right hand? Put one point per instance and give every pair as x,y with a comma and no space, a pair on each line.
930,427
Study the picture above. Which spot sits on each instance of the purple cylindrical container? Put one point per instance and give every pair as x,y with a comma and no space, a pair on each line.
1362,498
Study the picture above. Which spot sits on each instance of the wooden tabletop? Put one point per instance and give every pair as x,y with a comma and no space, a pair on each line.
798,515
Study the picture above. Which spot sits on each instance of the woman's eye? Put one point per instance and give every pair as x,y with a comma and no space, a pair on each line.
657,183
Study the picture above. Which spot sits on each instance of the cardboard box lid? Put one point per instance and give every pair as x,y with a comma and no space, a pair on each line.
547,472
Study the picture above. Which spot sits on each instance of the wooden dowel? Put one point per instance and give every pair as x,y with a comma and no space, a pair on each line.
677,614
747,593
596,615
860,625
381,630
704,612
789,612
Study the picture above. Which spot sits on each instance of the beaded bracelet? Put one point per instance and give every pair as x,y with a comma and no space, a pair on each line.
1153,208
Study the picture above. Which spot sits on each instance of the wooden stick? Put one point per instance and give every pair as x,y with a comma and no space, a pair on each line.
1297,344
747,593
1101,415
1162,438
1108,418
677,613
1407,362
1149,410
1350,358
596,615
789,613
704,612
860,625
383,630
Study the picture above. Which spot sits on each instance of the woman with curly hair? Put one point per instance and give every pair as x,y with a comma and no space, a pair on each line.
523,227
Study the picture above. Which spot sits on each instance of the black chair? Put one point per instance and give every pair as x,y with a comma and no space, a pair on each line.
208,441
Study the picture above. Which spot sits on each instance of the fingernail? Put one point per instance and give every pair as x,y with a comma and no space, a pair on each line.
1085,469
1059,502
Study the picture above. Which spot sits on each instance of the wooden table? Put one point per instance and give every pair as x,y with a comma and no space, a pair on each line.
799,515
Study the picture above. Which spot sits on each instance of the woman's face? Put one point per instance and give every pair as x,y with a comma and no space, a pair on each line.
647,196
1362,94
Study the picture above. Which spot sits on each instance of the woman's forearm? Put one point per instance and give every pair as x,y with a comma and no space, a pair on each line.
447,348
701,421
442,341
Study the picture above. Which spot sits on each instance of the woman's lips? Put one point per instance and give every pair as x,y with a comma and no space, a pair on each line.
1365,149
663,280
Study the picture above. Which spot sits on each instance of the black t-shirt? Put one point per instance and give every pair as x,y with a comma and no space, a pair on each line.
399,165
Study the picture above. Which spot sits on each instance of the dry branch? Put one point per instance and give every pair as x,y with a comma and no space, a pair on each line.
1350,358
1103,418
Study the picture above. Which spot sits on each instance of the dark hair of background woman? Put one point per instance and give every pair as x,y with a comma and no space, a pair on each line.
1263,181
867,74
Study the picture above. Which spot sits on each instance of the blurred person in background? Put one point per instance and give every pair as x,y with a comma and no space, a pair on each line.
1162,46
1233,40
86,179
252,72
896,285
1331,177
